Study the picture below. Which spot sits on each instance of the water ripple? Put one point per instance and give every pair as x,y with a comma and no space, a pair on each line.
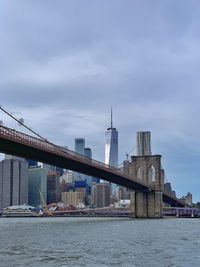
99,242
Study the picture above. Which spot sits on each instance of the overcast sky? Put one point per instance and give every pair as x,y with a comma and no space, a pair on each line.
64,63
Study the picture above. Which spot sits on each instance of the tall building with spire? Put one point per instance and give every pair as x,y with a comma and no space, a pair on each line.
111,146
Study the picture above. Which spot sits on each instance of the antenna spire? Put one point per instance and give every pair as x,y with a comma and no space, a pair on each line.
111,118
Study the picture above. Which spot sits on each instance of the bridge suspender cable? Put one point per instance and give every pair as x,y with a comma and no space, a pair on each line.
22,123
63,150
28,128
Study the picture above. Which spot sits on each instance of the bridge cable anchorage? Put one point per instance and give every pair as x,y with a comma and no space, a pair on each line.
21,122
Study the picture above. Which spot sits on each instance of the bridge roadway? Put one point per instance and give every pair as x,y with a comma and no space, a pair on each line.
17,143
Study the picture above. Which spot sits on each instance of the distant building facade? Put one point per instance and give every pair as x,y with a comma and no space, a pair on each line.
13,182
68,177
72,198
49,168
53,188
95,180
79,149
88,154
187,199
37,186
32,163
124,193
100,195
79,145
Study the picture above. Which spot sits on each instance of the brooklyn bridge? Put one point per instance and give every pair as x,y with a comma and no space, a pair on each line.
147,190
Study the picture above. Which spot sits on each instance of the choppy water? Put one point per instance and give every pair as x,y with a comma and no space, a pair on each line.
99,242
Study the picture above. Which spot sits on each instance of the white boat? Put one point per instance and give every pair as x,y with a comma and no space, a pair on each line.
20,211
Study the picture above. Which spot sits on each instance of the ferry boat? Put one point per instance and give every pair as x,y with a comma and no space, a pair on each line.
20,211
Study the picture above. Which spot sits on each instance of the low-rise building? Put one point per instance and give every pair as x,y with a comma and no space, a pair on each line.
72,198
187,199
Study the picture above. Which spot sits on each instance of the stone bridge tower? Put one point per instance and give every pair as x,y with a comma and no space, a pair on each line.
147,169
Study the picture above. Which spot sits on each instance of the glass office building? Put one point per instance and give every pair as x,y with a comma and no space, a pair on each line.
80,149
111,149
88,154
80,146
37,186
111,146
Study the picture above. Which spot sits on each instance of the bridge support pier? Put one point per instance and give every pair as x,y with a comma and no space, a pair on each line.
132,204
140,205
146,204
154,204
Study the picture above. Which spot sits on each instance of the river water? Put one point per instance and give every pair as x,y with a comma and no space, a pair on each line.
99,242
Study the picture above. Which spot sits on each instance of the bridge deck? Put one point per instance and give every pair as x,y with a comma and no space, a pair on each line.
26,146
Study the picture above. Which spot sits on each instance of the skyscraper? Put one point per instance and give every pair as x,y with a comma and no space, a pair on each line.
100,195
143,143
88,154
111,147
37,186
53,188
13,182
80,149
79,145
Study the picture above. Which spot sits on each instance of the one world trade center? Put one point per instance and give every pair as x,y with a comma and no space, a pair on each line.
111,147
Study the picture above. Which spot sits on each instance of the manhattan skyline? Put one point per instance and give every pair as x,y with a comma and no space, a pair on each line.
63,67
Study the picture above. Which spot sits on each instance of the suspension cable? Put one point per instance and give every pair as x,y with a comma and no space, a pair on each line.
28,128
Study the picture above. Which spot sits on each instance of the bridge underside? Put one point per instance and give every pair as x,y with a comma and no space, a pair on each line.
172,202
24,151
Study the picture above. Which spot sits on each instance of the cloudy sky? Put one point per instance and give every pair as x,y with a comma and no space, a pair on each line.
64,63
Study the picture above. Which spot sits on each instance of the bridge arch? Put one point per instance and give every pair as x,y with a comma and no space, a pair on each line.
151,174
140,173
147,169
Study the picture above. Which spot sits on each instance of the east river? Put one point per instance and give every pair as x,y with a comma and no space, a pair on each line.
99,242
